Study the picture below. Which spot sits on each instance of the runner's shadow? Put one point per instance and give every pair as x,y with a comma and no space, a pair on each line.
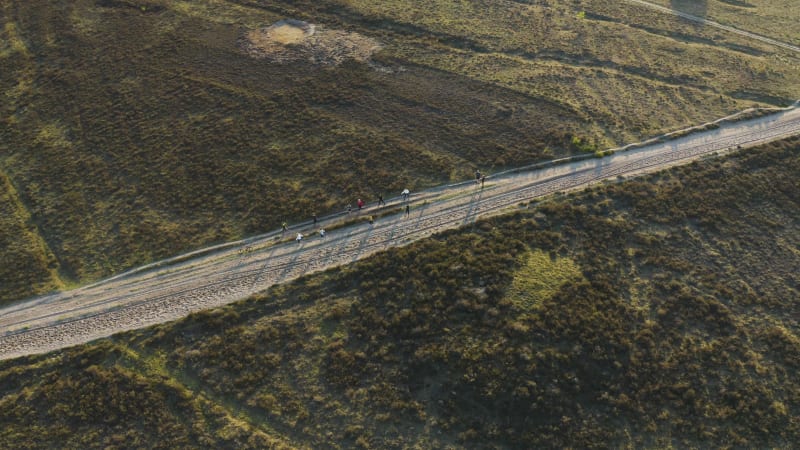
363,243
264,267
600,164
419,212
472,211
291,264
395,229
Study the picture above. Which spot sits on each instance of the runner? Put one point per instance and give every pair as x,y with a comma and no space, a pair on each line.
405,194
322,232
299,237
408,210
360,204
380,200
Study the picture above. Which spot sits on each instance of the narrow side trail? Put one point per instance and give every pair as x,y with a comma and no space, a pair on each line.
711,23
212,277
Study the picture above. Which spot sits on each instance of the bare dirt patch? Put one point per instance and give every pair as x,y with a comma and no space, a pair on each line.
291,40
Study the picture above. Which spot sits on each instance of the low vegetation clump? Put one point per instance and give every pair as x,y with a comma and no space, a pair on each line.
133,130
539,277
657,312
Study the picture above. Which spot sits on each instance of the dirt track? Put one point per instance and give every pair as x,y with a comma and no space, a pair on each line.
212,277
727,28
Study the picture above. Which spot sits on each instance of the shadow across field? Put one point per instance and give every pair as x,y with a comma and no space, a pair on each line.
697,8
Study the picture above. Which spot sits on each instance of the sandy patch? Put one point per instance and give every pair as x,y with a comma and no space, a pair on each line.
286,34
294,40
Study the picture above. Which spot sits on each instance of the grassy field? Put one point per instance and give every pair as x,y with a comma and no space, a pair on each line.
661,312
775,19
25,261
132,130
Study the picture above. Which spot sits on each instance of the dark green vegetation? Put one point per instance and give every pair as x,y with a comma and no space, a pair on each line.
659,312
135,129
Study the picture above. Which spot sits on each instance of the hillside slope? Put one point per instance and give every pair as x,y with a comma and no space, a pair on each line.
137,129
660,311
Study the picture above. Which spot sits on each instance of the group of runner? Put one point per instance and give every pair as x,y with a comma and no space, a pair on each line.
479,178
360,203
405,194
300,236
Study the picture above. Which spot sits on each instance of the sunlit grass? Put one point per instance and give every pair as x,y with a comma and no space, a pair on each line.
539,277
136,129
12,42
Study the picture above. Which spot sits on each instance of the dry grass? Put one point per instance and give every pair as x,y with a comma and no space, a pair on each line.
25,261
775,19
136,129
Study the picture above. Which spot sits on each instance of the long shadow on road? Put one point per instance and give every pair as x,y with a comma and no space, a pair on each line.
363,243
264,267
472,211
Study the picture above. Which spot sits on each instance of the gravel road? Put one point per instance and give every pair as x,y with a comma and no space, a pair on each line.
208,278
